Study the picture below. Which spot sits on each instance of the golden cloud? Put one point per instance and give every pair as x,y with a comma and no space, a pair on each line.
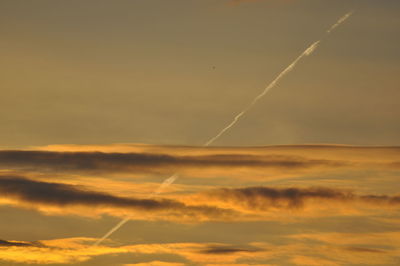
73,250
225,204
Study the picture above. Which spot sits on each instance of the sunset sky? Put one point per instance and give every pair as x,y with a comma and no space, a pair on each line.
102,101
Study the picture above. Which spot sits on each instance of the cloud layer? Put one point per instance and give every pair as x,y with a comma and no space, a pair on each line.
123,162
281,186
140,161
39,194
233,204
315,249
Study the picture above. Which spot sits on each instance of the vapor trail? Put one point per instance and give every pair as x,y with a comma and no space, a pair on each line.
160,188
307,52
170,180
340,21
115,228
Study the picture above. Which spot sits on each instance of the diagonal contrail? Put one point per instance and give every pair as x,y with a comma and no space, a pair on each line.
160,188
307,52
340,21
175,176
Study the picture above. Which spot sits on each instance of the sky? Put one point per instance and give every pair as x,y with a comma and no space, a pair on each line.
102,101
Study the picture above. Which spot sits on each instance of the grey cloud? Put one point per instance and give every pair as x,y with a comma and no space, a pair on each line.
40,193
147,162
228,249
62,195
363,249
5,243
262,198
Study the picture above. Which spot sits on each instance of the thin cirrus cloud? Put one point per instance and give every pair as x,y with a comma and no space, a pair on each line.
199,161
263,198
137,169
5,243
311,249
39,195
224,204
73,250
284,185
123,162
226,249
156,263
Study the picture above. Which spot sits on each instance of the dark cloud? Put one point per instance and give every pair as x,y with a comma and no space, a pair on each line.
5,243
262,198
148,162
362,249
62,194
381,198
227,249
206,205
55,194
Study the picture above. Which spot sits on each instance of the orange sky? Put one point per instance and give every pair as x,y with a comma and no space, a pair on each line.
101,101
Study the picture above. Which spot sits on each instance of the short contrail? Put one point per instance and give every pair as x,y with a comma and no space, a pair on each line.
340,21
160,188
175,176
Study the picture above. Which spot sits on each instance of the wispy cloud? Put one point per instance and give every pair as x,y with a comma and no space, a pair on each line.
124,162
156,263
5,243
38,194
224,204
228,249
354,249
263,198
199,161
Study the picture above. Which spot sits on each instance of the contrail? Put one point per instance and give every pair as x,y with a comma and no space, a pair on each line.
307,52
175,176
160,188
340,21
